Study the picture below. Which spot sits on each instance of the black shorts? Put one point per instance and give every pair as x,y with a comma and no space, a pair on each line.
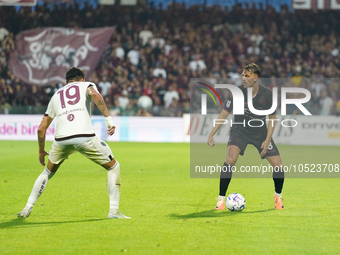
241,139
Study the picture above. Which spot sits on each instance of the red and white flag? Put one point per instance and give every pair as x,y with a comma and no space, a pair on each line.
43,56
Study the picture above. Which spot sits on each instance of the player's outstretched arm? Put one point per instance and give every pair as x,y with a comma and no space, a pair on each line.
100,103
98,100
45,123
223,115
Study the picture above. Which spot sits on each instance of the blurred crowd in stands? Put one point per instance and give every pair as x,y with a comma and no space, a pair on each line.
147,66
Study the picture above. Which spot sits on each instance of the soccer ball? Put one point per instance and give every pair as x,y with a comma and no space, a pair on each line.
144,102
235,202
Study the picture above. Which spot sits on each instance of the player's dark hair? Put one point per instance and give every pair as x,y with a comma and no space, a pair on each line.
74,73
255,69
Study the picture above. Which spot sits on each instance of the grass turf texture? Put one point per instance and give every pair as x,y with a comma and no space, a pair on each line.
171,213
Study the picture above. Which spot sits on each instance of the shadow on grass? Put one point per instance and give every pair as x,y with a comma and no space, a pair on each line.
19,222
214,214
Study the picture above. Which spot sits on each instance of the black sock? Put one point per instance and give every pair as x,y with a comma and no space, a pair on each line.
278,177
225,178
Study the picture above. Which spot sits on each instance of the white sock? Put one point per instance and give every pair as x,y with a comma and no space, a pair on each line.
113,187
39,187
219,197
278,194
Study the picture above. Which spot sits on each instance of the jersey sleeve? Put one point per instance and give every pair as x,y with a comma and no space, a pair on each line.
93,85
228,106
50,109
269,102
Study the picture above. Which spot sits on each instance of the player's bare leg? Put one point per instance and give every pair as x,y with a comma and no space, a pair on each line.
233,152
278,177
39,187
113,188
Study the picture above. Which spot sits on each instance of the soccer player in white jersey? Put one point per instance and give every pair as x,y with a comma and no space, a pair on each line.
74,132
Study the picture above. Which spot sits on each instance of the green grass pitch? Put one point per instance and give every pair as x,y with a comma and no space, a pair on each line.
171,212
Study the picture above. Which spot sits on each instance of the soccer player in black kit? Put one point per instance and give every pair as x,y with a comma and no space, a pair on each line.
241,135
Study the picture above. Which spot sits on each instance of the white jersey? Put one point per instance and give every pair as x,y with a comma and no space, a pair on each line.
71,106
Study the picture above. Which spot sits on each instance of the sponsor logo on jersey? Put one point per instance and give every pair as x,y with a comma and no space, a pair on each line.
70,117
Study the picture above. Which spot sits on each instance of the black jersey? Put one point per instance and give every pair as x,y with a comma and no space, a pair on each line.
262,101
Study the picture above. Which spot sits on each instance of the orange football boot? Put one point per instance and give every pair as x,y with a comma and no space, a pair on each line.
278,202
220,204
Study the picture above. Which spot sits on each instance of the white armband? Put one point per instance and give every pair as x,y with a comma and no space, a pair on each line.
109,122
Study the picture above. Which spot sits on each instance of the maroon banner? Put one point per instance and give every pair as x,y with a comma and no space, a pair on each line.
43,56
18,2
316,4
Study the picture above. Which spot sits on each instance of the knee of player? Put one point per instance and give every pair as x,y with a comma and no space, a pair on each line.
110,164
115,166
231,161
